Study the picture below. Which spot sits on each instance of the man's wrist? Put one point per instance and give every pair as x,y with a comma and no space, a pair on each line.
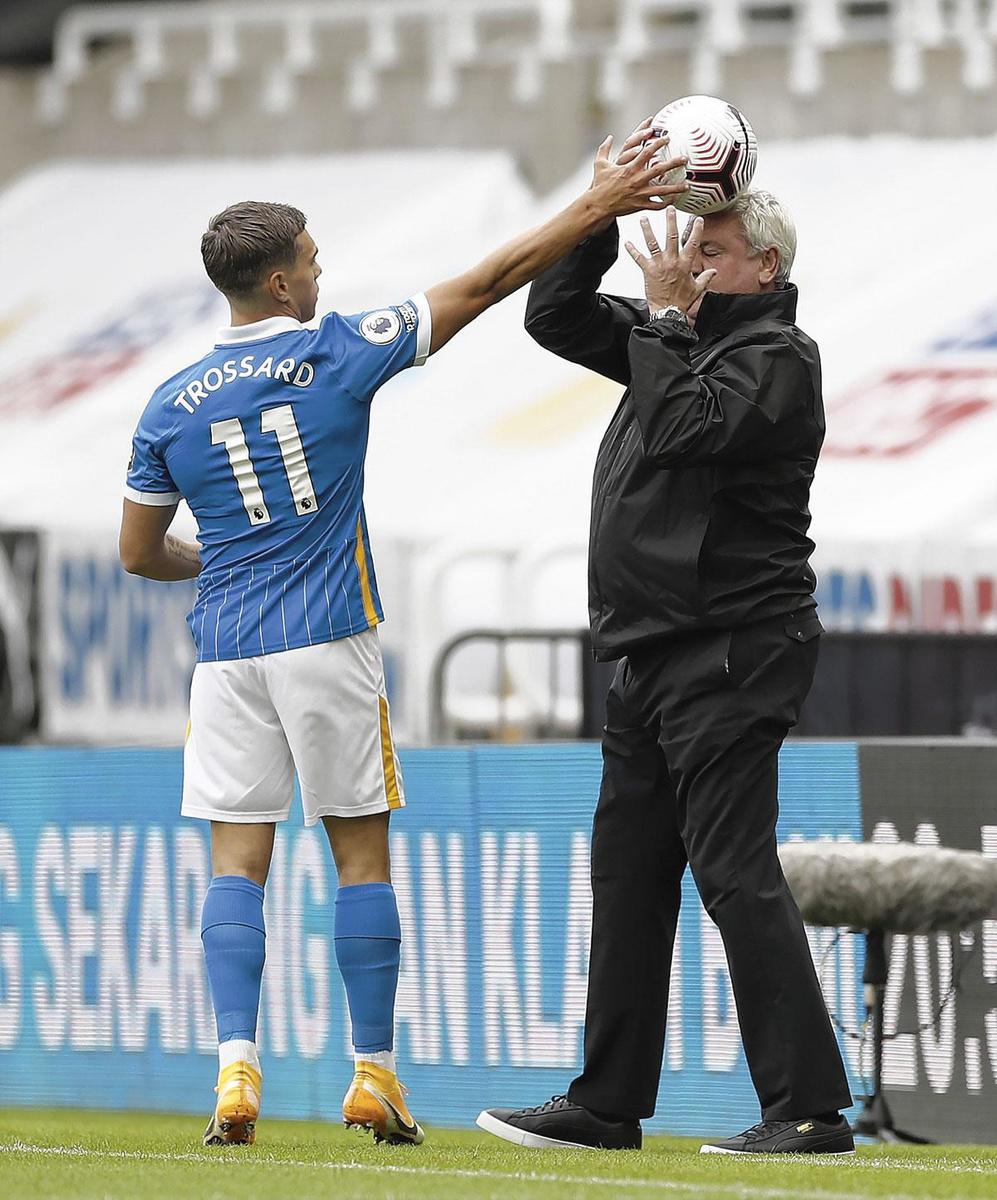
667,312
594,216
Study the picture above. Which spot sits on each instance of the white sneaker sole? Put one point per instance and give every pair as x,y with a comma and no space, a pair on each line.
773,1154
523,1137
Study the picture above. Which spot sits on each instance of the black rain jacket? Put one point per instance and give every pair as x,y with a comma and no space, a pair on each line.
702,482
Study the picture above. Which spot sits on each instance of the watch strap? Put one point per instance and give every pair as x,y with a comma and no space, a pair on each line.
670,312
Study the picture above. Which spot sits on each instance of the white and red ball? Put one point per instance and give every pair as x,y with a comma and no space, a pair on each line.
720,145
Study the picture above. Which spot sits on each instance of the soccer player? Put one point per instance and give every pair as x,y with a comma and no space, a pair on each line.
265,439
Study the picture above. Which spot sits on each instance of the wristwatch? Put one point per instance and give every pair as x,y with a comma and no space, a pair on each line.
672,313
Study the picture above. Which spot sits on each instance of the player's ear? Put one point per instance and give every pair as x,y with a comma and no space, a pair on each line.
276,285
768,266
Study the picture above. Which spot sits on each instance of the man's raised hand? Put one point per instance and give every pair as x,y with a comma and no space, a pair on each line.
631,183
668,274
617,188
635,141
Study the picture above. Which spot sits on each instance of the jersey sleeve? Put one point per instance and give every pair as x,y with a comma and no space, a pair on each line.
369,348
149,480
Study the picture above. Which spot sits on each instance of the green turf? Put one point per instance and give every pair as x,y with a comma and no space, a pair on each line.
106,1156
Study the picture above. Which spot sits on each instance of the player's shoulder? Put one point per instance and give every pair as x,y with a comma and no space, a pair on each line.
376,326
177,380
161,403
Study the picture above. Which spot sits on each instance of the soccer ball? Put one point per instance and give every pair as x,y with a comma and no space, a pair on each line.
720,145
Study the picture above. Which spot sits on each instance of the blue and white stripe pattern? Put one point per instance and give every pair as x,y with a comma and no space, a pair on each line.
265,438
246,611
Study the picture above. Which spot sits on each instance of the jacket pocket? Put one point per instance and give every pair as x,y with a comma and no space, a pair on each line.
804,630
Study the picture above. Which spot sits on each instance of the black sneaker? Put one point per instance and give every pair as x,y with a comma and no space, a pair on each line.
788,1137
560,1123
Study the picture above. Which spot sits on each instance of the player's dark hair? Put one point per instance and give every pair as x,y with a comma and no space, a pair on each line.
247,241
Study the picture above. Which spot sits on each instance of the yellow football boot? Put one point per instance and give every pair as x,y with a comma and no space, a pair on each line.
238,1106
376,1101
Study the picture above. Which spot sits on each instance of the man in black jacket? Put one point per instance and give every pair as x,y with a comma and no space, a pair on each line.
699,575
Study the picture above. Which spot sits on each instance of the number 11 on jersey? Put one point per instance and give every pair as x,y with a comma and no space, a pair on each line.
281,422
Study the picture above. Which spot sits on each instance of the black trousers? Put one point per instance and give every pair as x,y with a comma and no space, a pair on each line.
690,754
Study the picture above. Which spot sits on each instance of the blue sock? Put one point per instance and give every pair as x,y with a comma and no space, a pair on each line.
368,950
234,948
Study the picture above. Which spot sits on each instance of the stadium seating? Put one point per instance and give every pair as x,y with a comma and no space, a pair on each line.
531,75
520,34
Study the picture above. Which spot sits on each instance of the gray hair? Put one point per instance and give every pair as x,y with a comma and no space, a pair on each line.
766,223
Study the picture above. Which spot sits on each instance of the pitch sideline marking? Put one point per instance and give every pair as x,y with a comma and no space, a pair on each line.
663,1185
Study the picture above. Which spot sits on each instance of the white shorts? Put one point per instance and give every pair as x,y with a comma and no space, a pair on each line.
320,709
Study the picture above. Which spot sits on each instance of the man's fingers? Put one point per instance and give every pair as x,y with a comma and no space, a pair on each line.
668,164
703,281
651,148
652,241
632,146
602,154
639,132
667,189
627,154
691,244
672,231
662,191
651,200
653,178
639,135
636,255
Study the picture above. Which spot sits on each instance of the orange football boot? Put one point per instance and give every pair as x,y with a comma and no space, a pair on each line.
234,1120
376,1101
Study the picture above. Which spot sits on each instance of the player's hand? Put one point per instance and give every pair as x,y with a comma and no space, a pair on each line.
619,188
632,146
668,274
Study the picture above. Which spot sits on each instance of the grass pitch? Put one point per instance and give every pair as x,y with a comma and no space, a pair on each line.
123,1156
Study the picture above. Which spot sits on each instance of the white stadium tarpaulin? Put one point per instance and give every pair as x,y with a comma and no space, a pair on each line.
479,464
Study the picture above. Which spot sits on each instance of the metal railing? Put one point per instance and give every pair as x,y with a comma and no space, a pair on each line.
867,685
509,713
460,33
449,29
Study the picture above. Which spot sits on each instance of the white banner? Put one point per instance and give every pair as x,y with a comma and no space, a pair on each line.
116,654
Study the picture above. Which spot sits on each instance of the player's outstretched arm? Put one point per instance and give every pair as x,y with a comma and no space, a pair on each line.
147,549
617,188
568,315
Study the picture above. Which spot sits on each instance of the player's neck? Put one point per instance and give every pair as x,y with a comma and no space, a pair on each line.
250,314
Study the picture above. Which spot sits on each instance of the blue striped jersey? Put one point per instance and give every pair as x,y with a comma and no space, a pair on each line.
265,438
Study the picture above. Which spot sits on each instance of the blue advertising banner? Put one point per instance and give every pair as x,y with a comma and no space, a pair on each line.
104,1003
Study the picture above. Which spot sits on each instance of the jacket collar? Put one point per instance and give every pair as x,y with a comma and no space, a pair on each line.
719,312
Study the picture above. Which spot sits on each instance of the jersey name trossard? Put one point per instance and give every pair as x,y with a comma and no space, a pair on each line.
265,439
